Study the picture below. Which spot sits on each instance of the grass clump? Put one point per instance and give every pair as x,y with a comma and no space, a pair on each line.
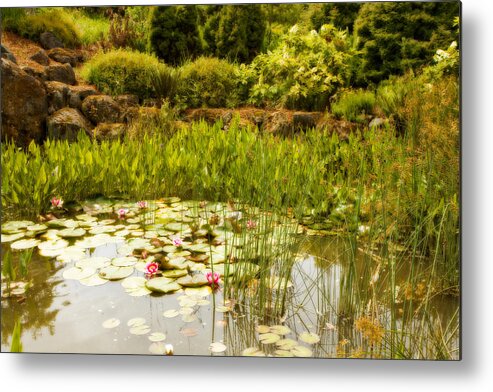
354,105
209,82
123,72
31,23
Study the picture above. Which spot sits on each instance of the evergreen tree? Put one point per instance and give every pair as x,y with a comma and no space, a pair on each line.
235,32
174,35
397,36
341,15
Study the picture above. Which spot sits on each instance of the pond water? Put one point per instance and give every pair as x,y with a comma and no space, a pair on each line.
67,309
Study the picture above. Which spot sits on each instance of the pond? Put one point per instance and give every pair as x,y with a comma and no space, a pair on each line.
90,286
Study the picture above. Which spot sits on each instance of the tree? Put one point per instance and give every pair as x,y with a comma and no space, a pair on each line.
235,32
397,36
174,35
341,15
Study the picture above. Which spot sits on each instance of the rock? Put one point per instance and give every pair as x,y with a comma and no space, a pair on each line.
24,105
105,131
376,122
6,54
49,40
127,100
65,56
83,91
35,73
57,94
102,109
279,123
41,57
61,73
305,120
66,123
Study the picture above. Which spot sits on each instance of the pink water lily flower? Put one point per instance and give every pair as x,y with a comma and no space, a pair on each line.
57,202
177,242
121,213
142,204
212,278
152,268
251,224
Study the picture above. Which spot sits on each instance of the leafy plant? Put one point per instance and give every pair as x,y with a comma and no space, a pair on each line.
353,104
124,72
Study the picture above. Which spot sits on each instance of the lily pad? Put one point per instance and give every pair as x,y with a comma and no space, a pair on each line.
203,291
140,330
158,348
171,313
217,347
111,323
269,338
11,237
37,228
71,253
186,310
157,337
309,337
286,344
162,285
111,272
175,273
53,245
76,273
188,318
93,262
223,309
93,280
133,282
280,330
126,261
72,233
301,351
263,329
102,229
24,244
189,332
252,352
14,226
283,353
192,281
199,248
135,322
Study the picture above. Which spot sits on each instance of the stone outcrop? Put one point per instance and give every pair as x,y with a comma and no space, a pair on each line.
6,54
24,105
127,100
61,73
62,95
41,58
65,56
102,109
49,40
66,123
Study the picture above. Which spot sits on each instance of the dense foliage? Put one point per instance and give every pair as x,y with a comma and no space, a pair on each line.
123,72
304,71
209,82
174,35
397,36
235,33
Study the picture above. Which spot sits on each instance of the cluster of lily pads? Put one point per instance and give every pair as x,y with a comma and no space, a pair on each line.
284,346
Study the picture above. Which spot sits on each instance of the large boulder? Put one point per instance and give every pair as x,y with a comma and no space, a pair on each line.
41,57
127,100
102,109
6,54
65,56
66,123
24,105
61,73
38,72
49,40
57,94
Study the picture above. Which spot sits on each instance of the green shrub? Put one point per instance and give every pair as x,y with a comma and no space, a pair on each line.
12,18
32,23
93,27
174,35
304,70
235,32
165,82
209,82
351,105
123,72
